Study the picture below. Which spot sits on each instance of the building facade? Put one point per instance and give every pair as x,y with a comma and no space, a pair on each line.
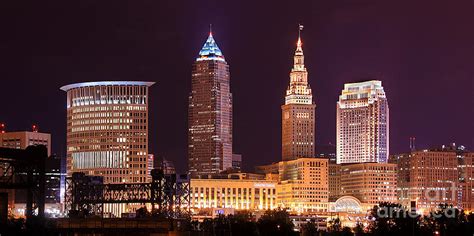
362,126
334,180
237,162
21,140
371,183
210,113
436,176
298,113
303,185
107,130
239,194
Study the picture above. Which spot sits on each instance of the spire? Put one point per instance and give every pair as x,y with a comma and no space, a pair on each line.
299,91
299,56
210,50
299,44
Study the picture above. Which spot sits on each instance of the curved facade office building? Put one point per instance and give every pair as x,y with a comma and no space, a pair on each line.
107,130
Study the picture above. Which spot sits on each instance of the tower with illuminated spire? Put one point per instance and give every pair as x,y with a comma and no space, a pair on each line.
298,112
210,113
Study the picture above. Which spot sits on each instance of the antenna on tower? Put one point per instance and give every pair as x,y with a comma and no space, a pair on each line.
300,28
412,144
210,29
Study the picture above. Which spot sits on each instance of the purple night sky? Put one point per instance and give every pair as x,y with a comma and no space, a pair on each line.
423,51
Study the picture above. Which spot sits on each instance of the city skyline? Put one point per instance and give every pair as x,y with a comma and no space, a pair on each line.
410,80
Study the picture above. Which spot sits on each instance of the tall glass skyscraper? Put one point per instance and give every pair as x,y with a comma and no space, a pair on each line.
210,113
298,113
362,126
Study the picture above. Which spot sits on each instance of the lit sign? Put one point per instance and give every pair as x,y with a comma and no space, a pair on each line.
263,185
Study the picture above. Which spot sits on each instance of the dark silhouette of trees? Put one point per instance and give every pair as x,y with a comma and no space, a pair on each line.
392,219
243,223
359,229
309,229
275,222
386,219
142,213
334,225
447,220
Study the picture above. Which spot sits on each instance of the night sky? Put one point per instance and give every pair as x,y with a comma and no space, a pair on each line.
423,51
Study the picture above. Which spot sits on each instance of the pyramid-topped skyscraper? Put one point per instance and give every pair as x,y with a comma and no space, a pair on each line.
210,113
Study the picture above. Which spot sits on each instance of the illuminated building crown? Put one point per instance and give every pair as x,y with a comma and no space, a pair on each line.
210,50
299,91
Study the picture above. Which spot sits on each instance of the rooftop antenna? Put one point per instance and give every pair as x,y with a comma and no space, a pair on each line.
210,29
412,144
300,28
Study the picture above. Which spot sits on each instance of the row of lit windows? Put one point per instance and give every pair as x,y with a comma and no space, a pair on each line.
108,108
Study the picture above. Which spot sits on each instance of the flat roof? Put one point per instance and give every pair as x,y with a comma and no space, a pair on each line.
105,83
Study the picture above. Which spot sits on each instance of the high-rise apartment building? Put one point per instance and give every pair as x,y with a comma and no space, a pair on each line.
369,182
210,113
107,130
362,126
298,113
436,176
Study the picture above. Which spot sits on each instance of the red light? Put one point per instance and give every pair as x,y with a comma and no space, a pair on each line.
35,128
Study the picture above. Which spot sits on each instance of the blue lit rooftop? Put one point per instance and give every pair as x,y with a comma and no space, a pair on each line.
210,51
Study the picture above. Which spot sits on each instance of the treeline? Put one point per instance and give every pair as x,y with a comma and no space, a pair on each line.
386,219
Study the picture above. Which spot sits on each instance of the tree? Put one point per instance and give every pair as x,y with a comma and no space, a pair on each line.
142,212
359,229
450,221
392,219
221,225
335,225
346,231
243,223
275,222
309,229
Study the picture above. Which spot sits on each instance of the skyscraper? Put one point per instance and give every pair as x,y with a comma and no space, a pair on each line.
210,113
298,113
362,126
107,130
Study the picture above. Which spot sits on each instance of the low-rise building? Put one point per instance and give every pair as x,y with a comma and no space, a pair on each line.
303,185
369,182
240,194
436,176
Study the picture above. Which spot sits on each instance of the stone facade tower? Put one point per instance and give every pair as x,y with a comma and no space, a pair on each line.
298,113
